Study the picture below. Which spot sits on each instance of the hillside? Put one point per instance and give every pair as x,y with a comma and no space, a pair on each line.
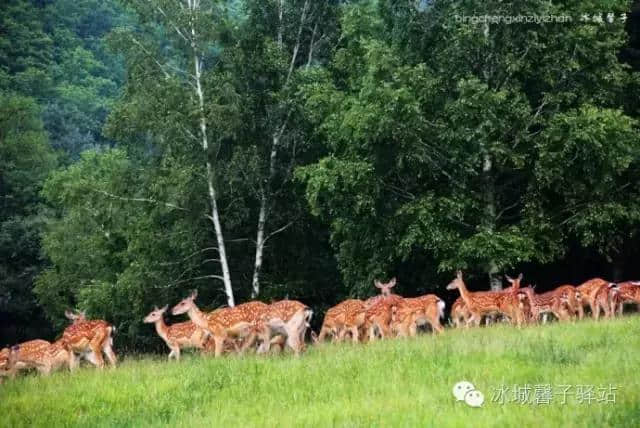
397,382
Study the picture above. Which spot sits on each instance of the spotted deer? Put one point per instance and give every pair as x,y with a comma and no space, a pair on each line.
573,299
45,359
8,358
588,290
604,299
36,354
223,324
459,313
178,336
89,339
75,317
545,303
385,291
481,303
378,316
628,292
345,317
281,319
411,312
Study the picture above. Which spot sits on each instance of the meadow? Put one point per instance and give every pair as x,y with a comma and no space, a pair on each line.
590,370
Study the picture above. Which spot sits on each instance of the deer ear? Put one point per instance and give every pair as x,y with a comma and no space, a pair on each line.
194,294
164,309
520,277
392,283
508,278
377,283
69,315
459,274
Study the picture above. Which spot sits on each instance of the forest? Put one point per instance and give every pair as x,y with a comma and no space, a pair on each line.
270,149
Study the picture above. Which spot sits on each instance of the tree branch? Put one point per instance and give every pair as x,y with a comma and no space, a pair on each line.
147,200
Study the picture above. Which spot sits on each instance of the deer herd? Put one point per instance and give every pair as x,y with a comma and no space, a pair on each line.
283,324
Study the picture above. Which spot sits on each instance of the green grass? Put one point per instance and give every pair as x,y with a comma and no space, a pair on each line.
391,383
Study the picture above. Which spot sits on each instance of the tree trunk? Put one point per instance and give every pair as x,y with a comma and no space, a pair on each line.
215,216
275,143
490,217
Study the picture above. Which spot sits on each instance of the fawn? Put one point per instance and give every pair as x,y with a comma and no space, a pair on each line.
628,292
223,324
281,319
177,336
346,316
480,303
89,338
588,290
409,313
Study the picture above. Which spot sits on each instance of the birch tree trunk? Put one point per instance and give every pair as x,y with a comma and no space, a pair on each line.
265,195
194,6
490,217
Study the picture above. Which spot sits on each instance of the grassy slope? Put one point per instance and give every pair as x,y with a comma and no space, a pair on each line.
399,382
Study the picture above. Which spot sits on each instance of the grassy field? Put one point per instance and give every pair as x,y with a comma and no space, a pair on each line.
392,383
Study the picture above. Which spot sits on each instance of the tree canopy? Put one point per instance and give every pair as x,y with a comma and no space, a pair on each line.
263,149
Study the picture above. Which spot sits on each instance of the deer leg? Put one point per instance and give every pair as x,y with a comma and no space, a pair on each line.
250,341
413,327
474,319
219,345
264,336
354,333
436,325
96,349
111,356
73,361
595,309
323,333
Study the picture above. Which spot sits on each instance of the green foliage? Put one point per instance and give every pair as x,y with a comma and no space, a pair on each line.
25,160
486,145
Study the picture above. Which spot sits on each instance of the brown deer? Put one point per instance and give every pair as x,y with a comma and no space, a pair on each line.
182,335
545,303
385,291
588,290
573,299
223,324
8,358
378,317
89,338
280,319
345,317
628,292
75,317
481,303
409,313
45,359
459,313
604,299
36,354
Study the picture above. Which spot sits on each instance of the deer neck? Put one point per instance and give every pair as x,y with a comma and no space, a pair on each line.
464,293
162,329
198,317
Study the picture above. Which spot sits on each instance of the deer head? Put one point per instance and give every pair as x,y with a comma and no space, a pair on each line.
385,289
155,315
185,304
456,281
75,317
515,283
